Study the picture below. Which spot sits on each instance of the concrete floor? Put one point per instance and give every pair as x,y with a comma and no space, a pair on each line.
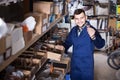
102,69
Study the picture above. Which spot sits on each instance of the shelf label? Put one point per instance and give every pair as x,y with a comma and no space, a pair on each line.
118,25
118,9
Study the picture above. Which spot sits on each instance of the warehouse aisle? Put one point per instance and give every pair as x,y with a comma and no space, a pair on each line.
102,69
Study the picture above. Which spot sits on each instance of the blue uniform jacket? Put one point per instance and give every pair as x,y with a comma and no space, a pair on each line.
82,61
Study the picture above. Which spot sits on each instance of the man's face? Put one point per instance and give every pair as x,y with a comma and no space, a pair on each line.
80,19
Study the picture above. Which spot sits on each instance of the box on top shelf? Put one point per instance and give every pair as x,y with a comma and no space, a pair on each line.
17,40
58,7
2,45
5,48
12,42
5,43
41,20
102,9
43,6
27,36
16,33
39,17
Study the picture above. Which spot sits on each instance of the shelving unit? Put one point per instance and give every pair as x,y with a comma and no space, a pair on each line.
7,2
34,39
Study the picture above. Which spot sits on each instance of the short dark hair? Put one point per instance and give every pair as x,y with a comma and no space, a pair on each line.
79,11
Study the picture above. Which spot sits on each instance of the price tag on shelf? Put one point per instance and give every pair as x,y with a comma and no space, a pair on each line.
118,25
118,10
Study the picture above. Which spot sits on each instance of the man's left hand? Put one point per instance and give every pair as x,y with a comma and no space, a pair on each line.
90,31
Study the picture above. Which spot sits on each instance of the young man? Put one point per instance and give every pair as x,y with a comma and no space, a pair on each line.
84,38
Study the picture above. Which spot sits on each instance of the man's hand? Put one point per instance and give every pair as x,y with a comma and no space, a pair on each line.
91,32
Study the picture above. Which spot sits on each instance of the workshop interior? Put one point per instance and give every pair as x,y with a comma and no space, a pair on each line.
32,33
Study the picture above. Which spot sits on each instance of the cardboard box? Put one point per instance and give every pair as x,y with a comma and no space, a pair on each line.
5,43
54,56
43,6
102,9
8,53
17,40
40,29
66,61
58,7
1,58
41,20
2,45
63,64
27,36
8,41
68,1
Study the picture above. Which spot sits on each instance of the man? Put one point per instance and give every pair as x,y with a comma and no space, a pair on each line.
84,38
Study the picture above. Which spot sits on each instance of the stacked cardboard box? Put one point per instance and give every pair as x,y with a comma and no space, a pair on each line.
12,42
58,6
43,7
3,45
27,36
52,9
17,40
41,21
6,48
